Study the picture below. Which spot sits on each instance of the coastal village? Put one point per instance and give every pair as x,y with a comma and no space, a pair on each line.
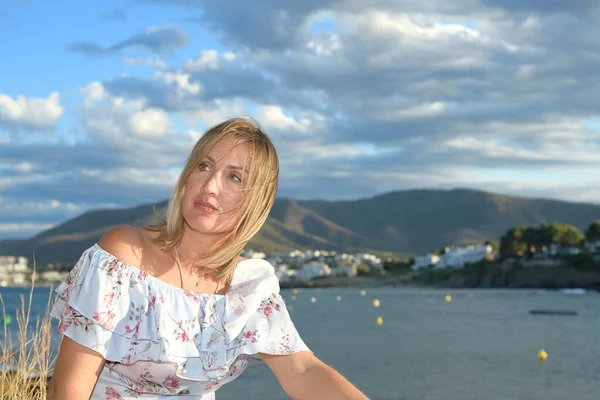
301,265
532,244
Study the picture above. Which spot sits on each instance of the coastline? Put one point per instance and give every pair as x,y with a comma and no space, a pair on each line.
367,281
29,285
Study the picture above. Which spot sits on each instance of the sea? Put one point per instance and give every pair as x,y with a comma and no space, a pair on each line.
432,344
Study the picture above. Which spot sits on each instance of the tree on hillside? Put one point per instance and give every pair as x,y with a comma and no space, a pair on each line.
548,234
534,239
512,243
568,235
527,240
592,233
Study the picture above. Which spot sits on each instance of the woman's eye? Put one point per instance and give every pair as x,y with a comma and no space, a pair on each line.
236,178
203,166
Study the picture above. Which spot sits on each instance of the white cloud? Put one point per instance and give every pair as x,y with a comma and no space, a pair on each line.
207,59
194,135
148,122
182,81
147,62
23,167
325,45
20,227
414,112
30,113
272,117
113,118
404,25
217,111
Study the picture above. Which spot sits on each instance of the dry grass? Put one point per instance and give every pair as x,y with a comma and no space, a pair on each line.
25,368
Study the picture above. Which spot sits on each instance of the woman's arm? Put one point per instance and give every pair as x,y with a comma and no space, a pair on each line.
75,373
303,376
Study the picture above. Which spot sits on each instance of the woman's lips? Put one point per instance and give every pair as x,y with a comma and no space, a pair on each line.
203,205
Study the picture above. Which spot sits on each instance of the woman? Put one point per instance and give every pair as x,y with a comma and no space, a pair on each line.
171,309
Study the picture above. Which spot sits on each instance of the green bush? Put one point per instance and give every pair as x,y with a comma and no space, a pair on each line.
581,261
362,270
431,275
397,266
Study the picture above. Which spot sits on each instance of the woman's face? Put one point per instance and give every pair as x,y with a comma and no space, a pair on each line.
215,185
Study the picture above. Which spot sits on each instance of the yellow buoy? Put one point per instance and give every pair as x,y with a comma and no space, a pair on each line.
376,303
293,297
290,308
542,355
339,298
470,294
379,321
363,293
313,299
295,291
448,298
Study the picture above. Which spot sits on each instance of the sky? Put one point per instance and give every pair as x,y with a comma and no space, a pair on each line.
101,102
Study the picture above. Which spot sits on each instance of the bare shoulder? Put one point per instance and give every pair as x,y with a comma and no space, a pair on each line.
123,241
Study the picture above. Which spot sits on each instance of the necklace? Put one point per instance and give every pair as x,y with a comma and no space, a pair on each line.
181,273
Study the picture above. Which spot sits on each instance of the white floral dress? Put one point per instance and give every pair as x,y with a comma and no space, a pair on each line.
160,340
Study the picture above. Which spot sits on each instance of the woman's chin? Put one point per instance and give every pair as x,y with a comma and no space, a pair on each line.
200,226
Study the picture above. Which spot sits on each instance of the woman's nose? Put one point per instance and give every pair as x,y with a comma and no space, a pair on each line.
211,185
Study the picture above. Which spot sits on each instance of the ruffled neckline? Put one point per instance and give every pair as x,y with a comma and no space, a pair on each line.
128,315
162,284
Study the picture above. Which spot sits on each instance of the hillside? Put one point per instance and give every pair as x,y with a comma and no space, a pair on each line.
405,222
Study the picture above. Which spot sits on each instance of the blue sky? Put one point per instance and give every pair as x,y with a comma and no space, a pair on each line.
100,102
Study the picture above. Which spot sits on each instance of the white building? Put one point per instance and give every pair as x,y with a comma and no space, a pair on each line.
458,257
346,270
371,259
19,278
454,258
51,276
593,247
556,249
313,270
13,269
425,261
284,273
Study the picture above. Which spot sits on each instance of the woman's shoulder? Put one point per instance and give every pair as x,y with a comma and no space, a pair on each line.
125,242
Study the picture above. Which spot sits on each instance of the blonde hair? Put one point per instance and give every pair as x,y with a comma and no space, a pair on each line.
259,191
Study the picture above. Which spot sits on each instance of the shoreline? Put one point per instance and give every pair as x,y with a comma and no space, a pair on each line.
29,285
401,280
367,281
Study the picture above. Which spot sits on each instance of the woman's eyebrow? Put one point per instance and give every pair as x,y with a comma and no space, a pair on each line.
212,160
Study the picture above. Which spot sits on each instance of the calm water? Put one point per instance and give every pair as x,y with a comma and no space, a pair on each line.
481,345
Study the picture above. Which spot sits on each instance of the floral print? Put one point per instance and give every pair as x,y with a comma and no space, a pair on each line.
159,340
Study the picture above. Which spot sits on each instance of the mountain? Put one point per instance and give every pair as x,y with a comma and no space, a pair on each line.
403,223
422,220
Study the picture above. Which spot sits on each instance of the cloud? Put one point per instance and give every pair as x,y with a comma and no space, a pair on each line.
413,89
161,40
148,62
168,91
359,97
545,6
30,113
114,15
109,118
265,24
24,230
